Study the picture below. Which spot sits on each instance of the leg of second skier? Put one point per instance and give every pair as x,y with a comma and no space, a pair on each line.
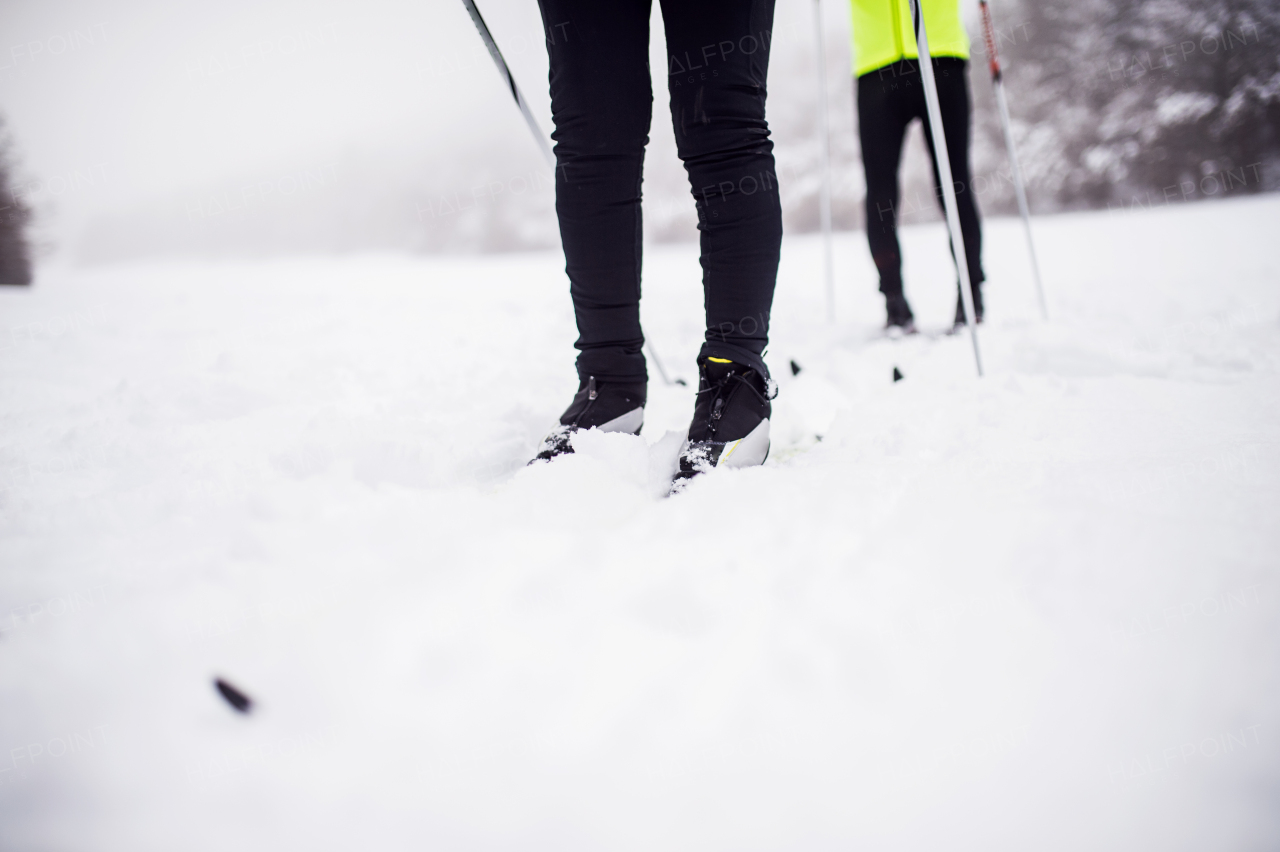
882,126
952,80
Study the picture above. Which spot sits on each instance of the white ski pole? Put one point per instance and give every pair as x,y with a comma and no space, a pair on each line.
824,195
944,174
538,135
997,82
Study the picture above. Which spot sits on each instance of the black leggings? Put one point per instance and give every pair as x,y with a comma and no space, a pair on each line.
602,101
889,98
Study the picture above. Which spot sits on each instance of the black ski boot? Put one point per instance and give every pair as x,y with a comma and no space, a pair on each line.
977,309
730,425
900,318
604,405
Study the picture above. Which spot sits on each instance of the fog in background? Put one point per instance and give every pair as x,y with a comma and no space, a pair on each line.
151,128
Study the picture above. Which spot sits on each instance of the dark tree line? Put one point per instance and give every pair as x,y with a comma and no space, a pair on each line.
1144,101
15,217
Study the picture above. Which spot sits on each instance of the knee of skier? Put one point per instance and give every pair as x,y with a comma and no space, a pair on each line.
586,134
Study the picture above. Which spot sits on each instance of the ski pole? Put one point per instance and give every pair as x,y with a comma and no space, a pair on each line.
944,174
538,136
511,81
997,82
824,195
657,362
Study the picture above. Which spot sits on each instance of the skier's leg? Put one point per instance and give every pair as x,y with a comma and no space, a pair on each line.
881,128
717,66
952,79
601,102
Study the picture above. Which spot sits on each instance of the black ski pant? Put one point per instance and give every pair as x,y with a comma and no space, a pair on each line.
602,101
889,99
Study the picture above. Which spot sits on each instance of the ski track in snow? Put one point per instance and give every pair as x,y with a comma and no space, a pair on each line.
1031,611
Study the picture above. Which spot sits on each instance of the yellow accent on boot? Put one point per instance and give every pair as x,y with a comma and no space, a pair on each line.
719,360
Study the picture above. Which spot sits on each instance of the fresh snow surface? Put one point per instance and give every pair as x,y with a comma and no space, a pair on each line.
1032,611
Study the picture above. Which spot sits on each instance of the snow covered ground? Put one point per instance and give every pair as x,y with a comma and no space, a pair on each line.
1033,611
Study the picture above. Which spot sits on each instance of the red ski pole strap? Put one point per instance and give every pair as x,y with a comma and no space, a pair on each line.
989,35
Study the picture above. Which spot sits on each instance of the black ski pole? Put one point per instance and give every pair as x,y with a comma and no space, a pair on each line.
538,136
511,81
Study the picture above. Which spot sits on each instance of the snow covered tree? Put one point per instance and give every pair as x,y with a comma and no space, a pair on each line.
15,216
1162,100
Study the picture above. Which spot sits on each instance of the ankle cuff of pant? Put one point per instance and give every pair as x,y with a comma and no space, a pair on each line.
734,353
612,364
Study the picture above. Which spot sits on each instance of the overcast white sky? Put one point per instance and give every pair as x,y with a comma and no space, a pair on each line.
152,94
115,104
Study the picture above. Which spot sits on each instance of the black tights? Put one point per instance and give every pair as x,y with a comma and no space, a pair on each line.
889,99
602,101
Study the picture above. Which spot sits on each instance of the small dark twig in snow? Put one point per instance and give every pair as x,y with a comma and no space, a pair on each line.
235,697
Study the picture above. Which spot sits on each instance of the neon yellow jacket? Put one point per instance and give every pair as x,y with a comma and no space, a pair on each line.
882,32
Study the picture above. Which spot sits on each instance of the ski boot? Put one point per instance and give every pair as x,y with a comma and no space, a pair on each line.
605,405
958,323
730,425
900,320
